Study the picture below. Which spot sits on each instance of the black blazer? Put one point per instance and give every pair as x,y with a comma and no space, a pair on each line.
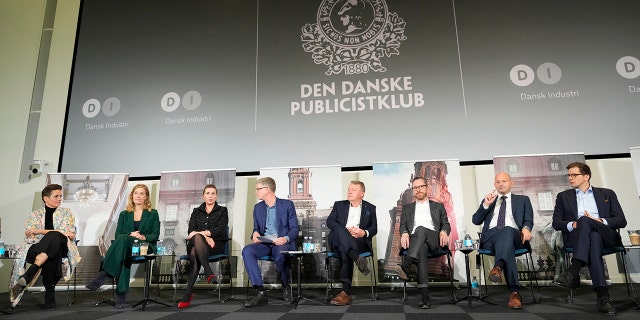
566,209
368,221
438,216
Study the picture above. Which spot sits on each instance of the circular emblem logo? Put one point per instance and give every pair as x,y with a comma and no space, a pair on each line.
352,23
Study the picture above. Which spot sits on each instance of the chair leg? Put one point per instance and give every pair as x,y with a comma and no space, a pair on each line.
374,280
631,292
484,273
566,264
450,265
533,276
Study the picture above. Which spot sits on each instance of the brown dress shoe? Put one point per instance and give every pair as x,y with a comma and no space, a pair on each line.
342,299
495,275
515,301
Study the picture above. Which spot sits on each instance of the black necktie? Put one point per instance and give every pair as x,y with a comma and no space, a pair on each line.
502,211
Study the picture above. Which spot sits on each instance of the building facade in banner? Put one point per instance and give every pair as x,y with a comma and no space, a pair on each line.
392,183
541,178
313,191
180,192
96,200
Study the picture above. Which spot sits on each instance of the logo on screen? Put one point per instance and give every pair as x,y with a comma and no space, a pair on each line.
92,107
628,67
352,36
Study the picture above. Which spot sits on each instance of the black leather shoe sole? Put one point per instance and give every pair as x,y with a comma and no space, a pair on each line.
363,265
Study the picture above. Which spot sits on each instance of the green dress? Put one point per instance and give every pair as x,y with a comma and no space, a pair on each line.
117,260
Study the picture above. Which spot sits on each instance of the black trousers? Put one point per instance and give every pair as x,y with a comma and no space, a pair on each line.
421,242
587,241
341,242
54,244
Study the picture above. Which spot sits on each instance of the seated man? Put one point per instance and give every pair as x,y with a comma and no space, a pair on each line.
424,227
588,218
271,217
508,221
353,224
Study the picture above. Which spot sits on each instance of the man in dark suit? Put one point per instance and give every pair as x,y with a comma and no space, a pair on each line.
276,218
424,227
508,220
353,224
588,218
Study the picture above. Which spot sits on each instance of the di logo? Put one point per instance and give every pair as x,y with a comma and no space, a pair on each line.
109,107
548,73
171,101
628,67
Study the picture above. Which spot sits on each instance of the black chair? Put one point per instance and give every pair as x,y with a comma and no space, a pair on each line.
214,258
622,253
433,255
330,271
531,273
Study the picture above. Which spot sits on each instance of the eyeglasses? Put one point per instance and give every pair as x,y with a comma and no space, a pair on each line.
573,175
258,189
416,188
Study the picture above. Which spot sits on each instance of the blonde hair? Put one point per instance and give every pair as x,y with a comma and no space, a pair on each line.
358,183
267,182
147,203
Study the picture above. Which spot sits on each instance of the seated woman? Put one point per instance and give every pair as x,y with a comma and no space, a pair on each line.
207,235
139,221
49,238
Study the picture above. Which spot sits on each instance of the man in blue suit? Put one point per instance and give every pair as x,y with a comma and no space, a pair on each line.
588,218
275,218
353,224
508,220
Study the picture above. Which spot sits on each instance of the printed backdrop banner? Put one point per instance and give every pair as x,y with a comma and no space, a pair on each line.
540,177
635,160
313,191
181,192
392,190
96,200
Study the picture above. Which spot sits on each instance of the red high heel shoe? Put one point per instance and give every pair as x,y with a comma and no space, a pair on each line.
182,305
211,278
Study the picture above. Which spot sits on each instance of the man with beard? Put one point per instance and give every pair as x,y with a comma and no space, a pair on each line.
424,227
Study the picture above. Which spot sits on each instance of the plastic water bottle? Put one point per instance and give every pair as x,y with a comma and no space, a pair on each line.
467,242
135,248
160,248
475,289
305,245
312,245
3,250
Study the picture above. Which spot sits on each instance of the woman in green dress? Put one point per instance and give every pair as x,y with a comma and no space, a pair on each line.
138,222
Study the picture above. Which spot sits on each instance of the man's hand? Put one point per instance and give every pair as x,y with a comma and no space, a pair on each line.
444,239
526,235
488,199
255,236
280,241
356,232
404,241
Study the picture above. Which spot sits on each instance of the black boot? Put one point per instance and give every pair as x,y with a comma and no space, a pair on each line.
27,277
49,299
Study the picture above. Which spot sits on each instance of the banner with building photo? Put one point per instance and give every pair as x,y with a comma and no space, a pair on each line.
541,178
179,193
635,161
313,191
392,190
96,200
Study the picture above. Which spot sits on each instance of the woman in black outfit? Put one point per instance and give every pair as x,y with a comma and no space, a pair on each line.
207,237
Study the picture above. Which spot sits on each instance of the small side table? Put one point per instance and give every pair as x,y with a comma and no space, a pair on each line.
470,297
298,255
148,261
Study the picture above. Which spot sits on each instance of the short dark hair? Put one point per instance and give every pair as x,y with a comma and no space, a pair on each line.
46,192
209,186
583,167
420,178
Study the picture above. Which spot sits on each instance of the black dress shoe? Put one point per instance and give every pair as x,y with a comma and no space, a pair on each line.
567,280
286,292
259,300
363,265
425,303
605,307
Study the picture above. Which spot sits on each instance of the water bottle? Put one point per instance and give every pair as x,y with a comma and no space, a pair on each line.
467,242
312,245
160,248
135,248
3,250
305,245
475,289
